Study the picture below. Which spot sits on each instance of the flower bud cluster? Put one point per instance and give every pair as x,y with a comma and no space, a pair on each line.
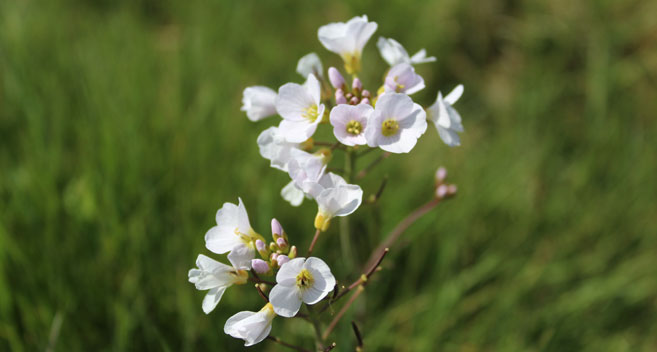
443,190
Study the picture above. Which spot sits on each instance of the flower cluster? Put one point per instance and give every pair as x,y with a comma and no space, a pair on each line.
384,118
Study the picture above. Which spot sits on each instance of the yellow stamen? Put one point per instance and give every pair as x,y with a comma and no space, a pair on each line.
354,127
311,113
389,127
304,279
351,63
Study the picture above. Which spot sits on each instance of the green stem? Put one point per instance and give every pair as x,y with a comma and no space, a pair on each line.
318,330
345,226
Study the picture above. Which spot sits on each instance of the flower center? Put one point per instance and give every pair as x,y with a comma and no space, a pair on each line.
354,127
304,279
389,127
399,87
239,276
311,113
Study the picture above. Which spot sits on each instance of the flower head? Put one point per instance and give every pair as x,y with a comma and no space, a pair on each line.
402,79
335,197
394,53
446,118
396,123
258,102
216,277
310,64
349,123
300,280
233,234
347,40
252,327
301,109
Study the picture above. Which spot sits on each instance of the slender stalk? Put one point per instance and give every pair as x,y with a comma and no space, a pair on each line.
330,347
288,345
400,228
312,244
260,281
318,330
342,311
372,165
359,337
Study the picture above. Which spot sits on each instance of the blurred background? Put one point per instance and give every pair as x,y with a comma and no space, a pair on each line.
121,135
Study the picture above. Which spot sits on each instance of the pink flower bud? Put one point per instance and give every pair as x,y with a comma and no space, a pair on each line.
336,79
353,101
441,174
273,256
276,228
282,244
339,97
282,259
348,96
366,94
441,191
293,252
356,84
260,246
365,101
259,266
451,189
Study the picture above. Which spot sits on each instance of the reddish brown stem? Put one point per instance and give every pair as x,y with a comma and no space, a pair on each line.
344,309
312,244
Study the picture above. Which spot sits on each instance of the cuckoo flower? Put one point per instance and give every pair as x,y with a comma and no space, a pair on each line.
347,40
349,123
301,109
334,196
445,117
300,280
310,64
394,53
258,102
252,327
233,234
396,123
402,79
216,277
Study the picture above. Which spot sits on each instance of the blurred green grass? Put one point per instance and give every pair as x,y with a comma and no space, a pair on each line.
121,135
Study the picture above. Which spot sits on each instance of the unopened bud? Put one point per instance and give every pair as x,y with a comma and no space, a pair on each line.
282,244
441,191
339,97
356,84
441,174
293,252
353,101
259,266
451,189
366,94
365,101
276,229
261,248
335,77
282,259
272,246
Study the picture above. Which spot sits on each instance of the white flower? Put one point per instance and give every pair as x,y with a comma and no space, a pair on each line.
301,109
310,64
446,119
300,280
349,123
233,234
275,148
252,327
347,40
334,196
258,102
396,123
304,170
402,79
216,277
293,194
394,53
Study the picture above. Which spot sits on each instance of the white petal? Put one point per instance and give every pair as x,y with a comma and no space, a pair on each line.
286,300
243,218
287,274
258,102
210,274
310,64
292,194
298,131
211,299
240,256
251,327
448,136
324,279
341,115
314,89
273,147
340,201
293,100
454,95
221,239
420,57
391,51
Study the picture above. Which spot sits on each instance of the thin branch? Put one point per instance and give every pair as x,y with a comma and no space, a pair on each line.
288,345
359,337
318,331
344,309
371,166
312,244
400,228
260,281
330,347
